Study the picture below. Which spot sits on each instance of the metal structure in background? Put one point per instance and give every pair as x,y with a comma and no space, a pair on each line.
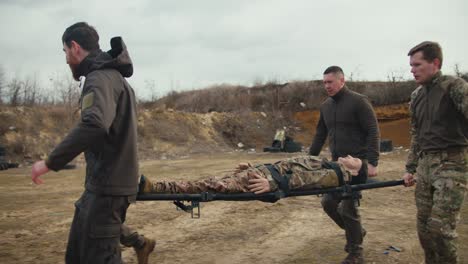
348,192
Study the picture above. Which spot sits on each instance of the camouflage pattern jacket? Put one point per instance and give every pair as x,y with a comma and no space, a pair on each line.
439,117
307,172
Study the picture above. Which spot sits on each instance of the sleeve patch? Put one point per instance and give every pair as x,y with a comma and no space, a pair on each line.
88,101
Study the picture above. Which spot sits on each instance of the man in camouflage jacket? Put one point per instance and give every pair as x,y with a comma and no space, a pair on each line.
438,153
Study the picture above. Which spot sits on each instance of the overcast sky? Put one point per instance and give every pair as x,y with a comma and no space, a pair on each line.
183,45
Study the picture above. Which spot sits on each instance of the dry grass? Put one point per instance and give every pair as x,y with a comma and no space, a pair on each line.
29,134
272,97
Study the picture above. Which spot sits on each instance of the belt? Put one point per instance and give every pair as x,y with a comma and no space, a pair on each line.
449,151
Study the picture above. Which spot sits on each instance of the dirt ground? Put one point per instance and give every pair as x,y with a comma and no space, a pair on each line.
34,220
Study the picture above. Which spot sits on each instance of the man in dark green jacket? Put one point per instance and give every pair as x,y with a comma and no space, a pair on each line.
438,153
349,122
107,134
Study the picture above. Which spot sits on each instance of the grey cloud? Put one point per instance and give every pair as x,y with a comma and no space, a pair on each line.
195,43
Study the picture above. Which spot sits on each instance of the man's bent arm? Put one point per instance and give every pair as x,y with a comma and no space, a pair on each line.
413,155
78,140
97,113
368,122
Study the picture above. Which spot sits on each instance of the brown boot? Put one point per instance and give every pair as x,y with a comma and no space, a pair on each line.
144,252
353,258
144,186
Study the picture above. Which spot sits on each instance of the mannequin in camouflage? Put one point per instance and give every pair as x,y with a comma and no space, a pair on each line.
305,172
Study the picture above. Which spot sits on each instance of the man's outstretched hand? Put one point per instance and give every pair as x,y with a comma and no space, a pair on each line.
257,183
39,168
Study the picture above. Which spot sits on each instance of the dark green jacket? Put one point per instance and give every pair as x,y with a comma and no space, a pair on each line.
107,131
439,117
349,122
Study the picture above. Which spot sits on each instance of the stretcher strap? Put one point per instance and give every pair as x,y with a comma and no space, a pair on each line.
334,166
281,180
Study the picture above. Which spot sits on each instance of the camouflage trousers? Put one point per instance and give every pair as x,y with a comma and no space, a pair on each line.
440,192
306,173
226,184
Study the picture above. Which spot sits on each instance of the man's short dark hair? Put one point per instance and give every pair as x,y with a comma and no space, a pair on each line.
430,51
83,34
333,69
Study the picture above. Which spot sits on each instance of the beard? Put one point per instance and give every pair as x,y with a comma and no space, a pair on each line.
74,70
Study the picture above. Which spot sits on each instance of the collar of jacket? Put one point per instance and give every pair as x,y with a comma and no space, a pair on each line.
86,65
434,80
340,94
116,58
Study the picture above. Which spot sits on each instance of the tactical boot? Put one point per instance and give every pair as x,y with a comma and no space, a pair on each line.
353,165
145,185
354,258
144,252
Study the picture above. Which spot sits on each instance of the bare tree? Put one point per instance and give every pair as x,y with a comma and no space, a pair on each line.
68,93
14,91
459,73
66,90
23,92
31,91
150,86
457,70
2,84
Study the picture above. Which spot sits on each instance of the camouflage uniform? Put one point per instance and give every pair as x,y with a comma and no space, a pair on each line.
307,172
438,155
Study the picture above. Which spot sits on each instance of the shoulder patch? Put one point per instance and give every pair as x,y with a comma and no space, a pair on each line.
87,101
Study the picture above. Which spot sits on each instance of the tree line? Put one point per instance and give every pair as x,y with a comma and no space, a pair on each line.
28,91
269,97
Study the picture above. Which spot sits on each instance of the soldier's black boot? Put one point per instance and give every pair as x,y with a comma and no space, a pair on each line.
353,258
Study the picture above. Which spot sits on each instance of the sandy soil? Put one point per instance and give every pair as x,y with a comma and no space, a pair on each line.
34,220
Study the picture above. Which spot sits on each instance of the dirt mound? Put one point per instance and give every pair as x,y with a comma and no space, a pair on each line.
29,134
392,119
174,133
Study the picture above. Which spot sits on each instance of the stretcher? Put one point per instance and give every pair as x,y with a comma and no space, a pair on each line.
191,202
